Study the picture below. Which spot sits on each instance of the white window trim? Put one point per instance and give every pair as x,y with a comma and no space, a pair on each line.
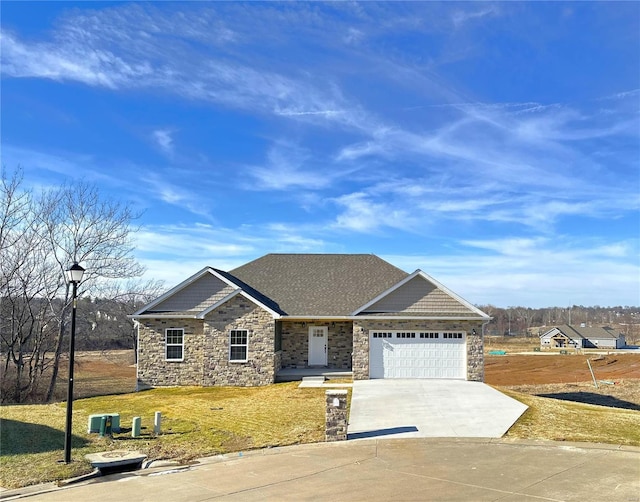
167,345
415,334
239,345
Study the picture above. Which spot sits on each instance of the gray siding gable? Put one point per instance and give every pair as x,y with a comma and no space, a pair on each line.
197,296
421,295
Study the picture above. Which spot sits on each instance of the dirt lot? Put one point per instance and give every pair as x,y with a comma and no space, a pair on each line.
99,373
567,377
570,368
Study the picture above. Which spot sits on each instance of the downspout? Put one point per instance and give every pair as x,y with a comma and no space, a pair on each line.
483,330
136,327
483,325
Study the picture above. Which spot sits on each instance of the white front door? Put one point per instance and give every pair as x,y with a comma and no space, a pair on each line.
318,345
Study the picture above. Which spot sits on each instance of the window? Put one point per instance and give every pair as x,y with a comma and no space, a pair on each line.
174,344
238,345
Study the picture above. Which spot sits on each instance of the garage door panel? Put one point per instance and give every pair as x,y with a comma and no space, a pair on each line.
409,356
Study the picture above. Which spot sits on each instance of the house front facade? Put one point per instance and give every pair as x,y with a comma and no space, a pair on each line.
582,337
356,313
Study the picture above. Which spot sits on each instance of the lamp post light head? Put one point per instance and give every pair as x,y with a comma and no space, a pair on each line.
75,273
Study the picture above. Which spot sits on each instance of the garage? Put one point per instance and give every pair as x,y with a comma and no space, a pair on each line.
417,354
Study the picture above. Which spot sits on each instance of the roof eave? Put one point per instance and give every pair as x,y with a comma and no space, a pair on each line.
421,318
307,317
384,317
162,316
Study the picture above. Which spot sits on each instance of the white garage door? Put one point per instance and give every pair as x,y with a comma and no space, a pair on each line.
417,354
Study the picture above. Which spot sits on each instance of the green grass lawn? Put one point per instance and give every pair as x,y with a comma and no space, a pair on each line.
206,421
195,422
558,420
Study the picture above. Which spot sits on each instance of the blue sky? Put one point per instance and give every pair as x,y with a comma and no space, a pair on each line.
496,146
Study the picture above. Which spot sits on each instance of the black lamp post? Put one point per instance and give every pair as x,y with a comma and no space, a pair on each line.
74,276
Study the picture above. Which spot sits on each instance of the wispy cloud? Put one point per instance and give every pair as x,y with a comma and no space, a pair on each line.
149,57
289,166
363,214
162,186
164,139
624,94
68,62
353,36
48,169
460,17
204,241
494,163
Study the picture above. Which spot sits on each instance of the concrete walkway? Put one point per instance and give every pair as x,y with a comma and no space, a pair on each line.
386,470
430,408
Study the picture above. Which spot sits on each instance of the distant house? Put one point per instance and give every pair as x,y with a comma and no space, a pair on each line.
582,337
353,312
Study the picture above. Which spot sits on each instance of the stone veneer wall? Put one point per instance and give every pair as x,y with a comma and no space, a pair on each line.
361,328
206,349
239,313
335,415
475,354
277,361
153,369
295,343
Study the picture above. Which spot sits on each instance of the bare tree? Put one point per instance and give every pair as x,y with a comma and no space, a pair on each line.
128,296
81,227
526,315
40,237
28,323
25,289
15,217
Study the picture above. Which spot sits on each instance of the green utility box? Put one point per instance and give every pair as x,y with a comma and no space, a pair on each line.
94,422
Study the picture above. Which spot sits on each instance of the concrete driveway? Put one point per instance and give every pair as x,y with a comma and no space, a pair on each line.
395,408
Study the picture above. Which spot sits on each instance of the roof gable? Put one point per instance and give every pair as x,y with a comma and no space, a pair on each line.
202,288
319,284
552,332
203,292
420,295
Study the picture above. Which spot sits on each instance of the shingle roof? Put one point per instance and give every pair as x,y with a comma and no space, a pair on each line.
319,284
588,333
253,292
